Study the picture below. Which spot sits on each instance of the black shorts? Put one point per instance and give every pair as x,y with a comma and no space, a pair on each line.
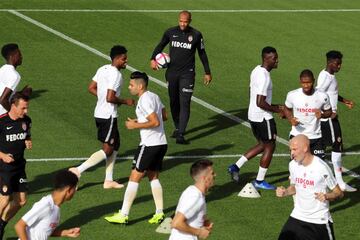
316,147
108,131
264,131
295,229
149,158
14,181
331,132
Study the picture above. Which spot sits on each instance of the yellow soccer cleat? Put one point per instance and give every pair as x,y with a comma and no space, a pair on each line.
117,218
157,218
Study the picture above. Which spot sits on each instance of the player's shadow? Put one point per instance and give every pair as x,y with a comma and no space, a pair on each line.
350,199
42,183
217,123
37,93
355,147
180,157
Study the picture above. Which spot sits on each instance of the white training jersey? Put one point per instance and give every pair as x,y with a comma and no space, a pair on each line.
42,219
150,103
260,84
107,77
193,206
314,178
327,82
304,107
9,78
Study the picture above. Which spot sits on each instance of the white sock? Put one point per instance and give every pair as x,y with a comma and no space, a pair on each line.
337,163
157,193
109,168
94,159
261,174
241,161
130,194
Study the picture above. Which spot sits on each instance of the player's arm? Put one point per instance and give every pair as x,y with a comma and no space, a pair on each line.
112,98
330,196
153,122
347,102
4,98
324,113
164,114
288,114
204,60
93,88
284,192
72,232
20,228
163,42
261,103
179,223
6,157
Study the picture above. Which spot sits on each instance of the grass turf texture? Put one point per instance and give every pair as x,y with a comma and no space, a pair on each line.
63,125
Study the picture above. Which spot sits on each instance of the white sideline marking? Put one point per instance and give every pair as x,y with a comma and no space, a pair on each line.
159,82
191,10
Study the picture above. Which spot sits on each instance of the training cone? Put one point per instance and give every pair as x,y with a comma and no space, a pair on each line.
165,226
249,191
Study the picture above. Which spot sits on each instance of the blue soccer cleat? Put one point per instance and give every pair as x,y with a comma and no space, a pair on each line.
263,185
234,170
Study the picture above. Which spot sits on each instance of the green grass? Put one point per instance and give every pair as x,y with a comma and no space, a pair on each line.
63,125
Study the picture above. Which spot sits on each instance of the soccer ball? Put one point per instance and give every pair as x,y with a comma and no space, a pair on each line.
162,60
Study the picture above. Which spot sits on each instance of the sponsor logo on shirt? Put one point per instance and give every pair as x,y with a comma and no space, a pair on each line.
305,182
15,137
190,38
177,44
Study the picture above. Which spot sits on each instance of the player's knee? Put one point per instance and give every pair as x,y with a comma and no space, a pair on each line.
22,202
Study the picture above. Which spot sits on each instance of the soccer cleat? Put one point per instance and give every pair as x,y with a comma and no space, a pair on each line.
75,171
233,170
112,184
118,218
263,185
347,188
157,218
181,140
175,133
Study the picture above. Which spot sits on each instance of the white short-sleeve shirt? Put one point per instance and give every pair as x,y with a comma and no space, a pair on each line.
327,83
42,219
9,78
150,103
260,84
304,107
314,178
107,77
193,206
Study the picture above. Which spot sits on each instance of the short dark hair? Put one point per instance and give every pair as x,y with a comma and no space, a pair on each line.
333,54
199,166
140,75
17,97
307,73
65,178
267,50
117,50
8,49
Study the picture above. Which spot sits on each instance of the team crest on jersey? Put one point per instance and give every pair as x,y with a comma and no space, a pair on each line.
111,141
190,38
306,104
5,188
24,126
304,175
339,139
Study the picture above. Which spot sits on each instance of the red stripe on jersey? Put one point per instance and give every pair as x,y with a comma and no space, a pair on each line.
3,115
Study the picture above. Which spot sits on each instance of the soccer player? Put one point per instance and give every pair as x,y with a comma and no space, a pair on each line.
42,220
9,77
310,178
330,127
15,137
261,119
183,42
148,159
306,107
106,86
190,220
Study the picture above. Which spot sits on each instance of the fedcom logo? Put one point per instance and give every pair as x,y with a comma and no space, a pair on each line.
15,137
181,44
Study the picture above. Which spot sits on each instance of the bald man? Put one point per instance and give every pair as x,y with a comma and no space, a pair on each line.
310,179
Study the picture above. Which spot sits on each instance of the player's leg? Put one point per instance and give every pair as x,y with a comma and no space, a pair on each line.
268,137
186,88
105,135
317,148
17,202
5,198
110,162
158,153
337,148
173,90
290,230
